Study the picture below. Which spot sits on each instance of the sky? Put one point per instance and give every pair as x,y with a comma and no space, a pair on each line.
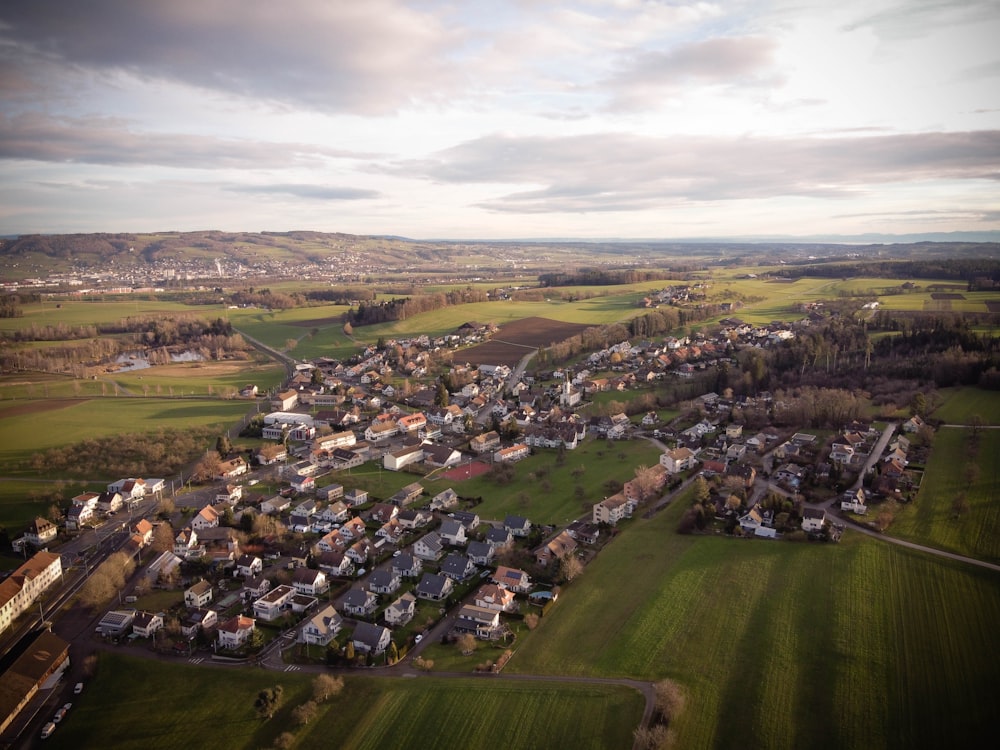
501,120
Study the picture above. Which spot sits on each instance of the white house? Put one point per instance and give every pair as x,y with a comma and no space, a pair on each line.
322,627
235,632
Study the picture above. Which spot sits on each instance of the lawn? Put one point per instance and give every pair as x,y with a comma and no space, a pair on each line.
959,405
546,492
147,705
201,378
930,519
856,645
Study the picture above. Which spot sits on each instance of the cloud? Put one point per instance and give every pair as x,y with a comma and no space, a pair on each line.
309,192
109,141
914,18
723,61
602,172
371,57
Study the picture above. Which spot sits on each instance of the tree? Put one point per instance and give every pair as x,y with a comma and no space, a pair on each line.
570,567
208,468
304,713
268,701
327,686
349,651
441,396
646,481
466,643
701,491
163,537
670,699
223,445
531,621
284,741
918,404
165,508
54,513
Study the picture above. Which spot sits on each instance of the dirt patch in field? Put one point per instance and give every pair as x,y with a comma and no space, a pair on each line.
37,407
521,337
947,295
993,306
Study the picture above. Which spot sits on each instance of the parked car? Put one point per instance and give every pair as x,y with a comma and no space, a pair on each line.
78,689
59,715
47,730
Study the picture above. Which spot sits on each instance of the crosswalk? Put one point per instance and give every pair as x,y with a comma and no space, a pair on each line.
292,668
196,660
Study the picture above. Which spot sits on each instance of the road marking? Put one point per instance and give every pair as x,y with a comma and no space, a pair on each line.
292,668
197,659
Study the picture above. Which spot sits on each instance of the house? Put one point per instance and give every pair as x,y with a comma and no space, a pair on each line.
790,474
492,596
562,545
513,453
335,563
813,519
232,468
371,639
428,547
499,538
285,400
913,424
452,532
481,621
335,512
434,587
198,595
271,606
255,588
310,582
402,610
198,619
854,501
162,566
412,518
229,493
485,443
407,565
146,623
235,632
333,541
109,502
444,500
513,579
359,602
458,567
361,550
391,531
143,530
751,520
408,494
517,525
356,497
79,516
678,460
481,553
439,456
353,529
207,518
468,519
382,512
40,532
584,532
275,505
612,509
249,566
405,456
384,581
322,627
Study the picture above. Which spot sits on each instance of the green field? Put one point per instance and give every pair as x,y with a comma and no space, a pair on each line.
959,405
559,504
201,378
930,518
73,312
317,331
780,645
150,705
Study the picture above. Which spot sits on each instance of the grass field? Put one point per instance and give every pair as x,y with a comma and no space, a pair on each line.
148,705
278,327
201,378
930,519
959,405
856,645
73,312
27,427
527,495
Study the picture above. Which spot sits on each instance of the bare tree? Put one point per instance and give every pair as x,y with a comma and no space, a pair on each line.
670,699
466,643
326,686
304,712
163,537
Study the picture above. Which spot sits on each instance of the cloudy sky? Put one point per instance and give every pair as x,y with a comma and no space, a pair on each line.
501,119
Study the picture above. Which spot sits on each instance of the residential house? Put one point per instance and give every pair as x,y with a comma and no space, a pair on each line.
143,531
310,582
412,518
499,538
751,520
384,581
322,627
513,453
612,509
333,541
109,502
584,532
361,550
444,500
207,518
434,586
854,501
481,553
468,519
492,596
335,512
356,497
198,595
79,516
370,639
353,530
229,493
40,532
408,494
382,512
428,547
335,563
273,604
198,619
235,632
458,567
407,565
255,588
813,519
678,460
233,468
452,532
402,610
439,456
790,474
517,525
146,624
275,505
913,424
359,602
21,589
249,566
488,441
481,621
513,579
391,531
555,549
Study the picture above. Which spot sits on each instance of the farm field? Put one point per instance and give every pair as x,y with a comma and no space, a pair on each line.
959,405
930,518
514,340
278,327
33,385
27,427
118,709
201,378
546,493
780,645
75,312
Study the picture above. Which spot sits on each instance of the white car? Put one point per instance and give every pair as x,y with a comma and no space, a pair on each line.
47,730
78,689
